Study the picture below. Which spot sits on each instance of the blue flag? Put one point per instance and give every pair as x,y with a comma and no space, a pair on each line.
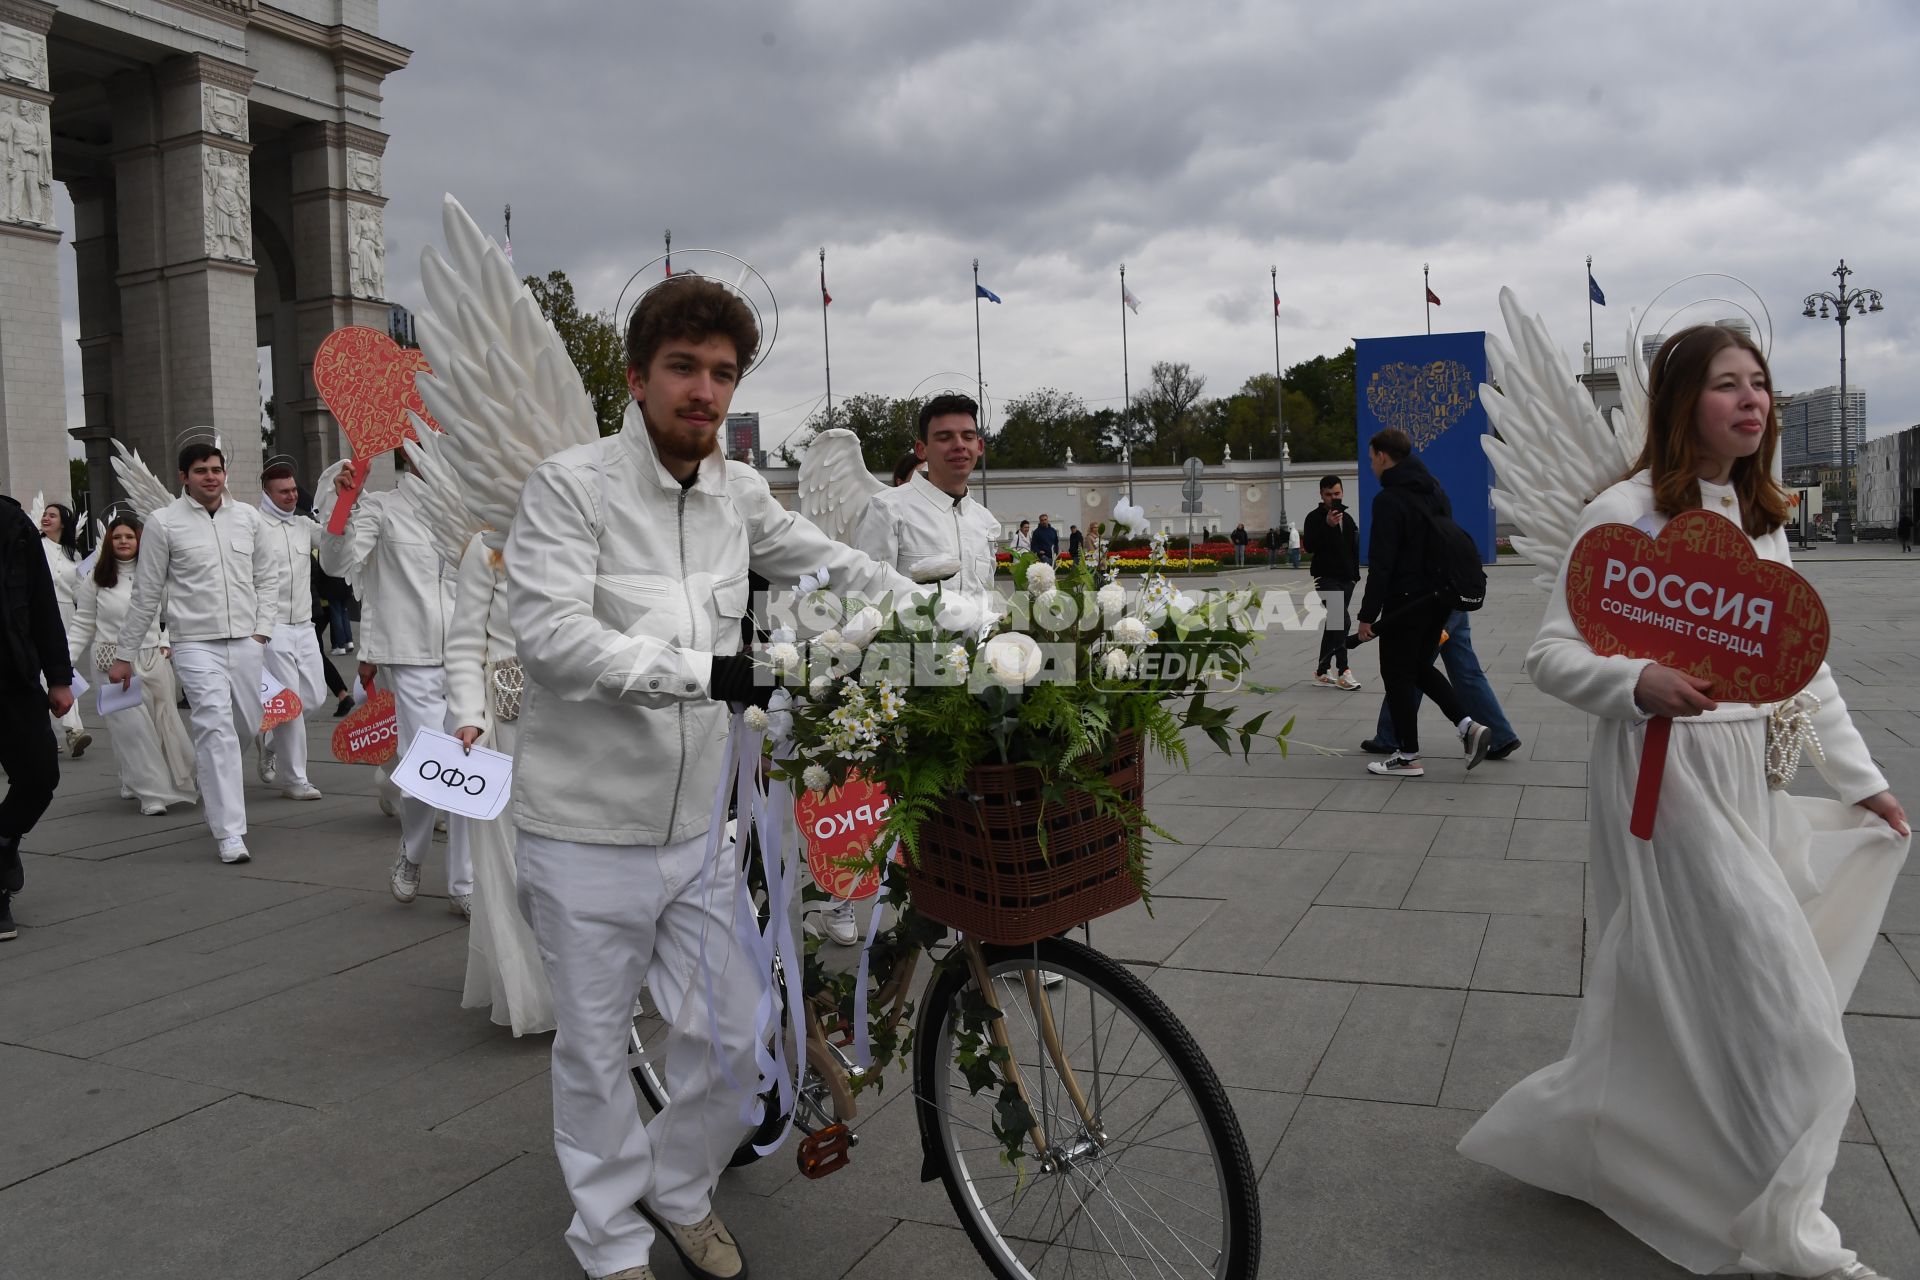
1593,290
981,291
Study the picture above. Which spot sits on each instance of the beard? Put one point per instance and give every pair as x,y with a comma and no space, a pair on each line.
678,441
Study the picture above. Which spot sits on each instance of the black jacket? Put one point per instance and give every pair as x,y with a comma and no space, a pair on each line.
1397,566
1046,540
1075,541
1336,553
33,642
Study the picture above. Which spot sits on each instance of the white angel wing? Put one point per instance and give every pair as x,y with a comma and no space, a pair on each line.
434,487
502,386
1553,451
835,483
37,510
144,489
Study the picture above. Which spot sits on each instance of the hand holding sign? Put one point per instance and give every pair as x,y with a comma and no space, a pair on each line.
440,770
368,735
840,827
1696,600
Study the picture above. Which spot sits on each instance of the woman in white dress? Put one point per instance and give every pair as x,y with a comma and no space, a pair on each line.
150,742
1701,1102
504,971
58,532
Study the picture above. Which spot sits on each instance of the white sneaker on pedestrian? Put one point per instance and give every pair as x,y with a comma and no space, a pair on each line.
1325,680
152,808
707,1249
1474,740
126,792
405,876
301,791
1347,680
440,824
77,743
1398,766
835,922
269,764
1852,1271
460,904
386,806
234,849
631,1273
338,650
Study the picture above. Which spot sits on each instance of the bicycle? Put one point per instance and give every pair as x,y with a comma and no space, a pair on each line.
1134,1158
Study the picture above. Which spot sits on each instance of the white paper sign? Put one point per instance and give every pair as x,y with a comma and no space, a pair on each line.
79,685
113,698
270,688
359,692
438,770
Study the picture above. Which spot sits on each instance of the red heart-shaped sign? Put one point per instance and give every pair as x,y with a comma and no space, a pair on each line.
1697,598
367,380
283,708
839,826
370,734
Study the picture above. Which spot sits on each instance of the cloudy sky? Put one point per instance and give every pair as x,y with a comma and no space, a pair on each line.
1198,142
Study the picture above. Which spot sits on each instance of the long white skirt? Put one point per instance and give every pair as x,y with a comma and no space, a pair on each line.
149,741
1701,1103
504,971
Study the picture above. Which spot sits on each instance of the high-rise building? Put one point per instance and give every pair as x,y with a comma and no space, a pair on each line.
743,439
1650,343
1810,427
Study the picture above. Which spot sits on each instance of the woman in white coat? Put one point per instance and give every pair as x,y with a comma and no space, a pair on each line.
504,971
58,530
150,742
1701,1102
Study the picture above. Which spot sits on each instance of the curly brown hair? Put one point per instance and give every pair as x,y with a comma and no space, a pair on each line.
689,308
1677,377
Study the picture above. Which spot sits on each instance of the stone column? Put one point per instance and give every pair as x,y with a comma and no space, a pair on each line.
186,262
33,402
339,255
96,252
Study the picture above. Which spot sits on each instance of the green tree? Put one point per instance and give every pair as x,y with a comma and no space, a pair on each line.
1041,427
885,426
593,344
1165,407
1327,383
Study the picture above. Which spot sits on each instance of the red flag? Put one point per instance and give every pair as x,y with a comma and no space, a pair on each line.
1276,304
1433,297
826,299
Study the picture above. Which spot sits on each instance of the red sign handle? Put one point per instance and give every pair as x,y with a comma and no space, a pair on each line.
357,468
1653,767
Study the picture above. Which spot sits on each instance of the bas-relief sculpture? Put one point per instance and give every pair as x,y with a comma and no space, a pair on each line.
363,172
23,56
367,251
223,111
229,218
26,153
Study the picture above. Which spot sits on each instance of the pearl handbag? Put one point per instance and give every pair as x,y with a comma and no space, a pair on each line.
1790,734
508,682
104,654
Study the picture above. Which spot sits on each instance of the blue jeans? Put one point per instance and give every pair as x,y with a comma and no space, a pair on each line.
1469,685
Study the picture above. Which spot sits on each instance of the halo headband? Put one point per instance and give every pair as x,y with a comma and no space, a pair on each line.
280,459
198,435
1693,301
969,388
733,273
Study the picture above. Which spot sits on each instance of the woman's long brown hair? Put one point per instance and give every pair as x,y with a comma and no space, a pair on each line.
106,569
1672,451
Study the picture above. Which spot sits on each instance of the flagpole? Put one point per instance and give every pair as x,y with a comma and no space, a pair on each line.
1591,353
980,378
1279,397
509,219
826,347
669,259
1426,279
1126,385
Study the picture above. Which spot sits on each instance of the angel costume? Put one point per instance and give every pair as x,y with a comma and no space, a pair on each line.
1701,1102
65,588
149,741
504,971
293,652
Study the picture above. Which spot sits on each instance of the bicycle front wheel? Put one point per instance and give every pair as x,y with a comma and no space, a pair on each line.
1144,1172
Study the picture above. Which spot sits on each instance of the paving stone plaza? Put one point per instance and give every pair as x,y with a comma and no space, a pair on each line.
264,1071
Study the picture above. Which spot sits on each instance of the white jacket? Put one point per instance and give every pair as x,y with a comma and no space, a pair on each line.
480,637
1562,664
290,540
406,590
622,586
213,570
914,523
65,577
98,614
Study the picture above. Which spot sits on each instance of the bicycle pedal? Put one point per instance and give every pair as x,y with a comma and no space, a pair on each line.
825,1152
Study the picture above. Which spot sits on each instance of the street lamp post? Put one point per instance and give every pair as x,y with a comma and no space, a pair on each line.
1843,304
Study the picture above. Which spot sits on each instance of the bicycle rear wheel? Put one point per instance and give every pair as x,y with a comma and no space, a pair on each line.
1148,1175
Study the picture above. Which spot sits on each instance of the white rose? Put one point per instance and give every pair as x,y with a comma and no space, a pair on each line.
1040,578
1013,658
1118,665
782,700
756,720
1130,631
816,778
829,639
785,657
864,626
935,570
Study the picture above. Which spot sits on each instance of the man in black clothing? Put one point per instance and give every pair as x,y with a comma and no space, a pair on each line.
1046,540
1239,540
33,648
1401,597
1330,536
1076,542
1273,543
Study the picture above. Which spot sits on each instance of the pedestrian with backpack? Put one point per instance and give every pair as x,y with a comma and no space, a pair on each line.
1421,567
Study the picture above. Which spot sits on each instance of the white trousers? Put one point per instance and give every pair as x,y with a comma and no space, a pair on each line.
222,681
420,702
609,918
293,658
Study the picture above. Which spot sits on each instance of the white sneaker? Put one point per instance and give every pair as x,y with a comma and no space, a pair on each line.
1398,766
126,792
460,904
338,650
77,743
631,1273
1347,681
386,806
1325,680
152,808
1474,741
835,922
404,879
1852,1271
301,791
234,849
440,824
269,764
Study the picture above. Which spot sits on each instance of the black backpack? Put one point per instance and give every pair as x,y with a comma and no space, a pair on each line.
1454,559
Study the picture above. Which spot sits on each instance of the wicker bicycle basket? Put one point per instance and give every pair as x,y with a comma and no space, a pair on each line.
981,869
